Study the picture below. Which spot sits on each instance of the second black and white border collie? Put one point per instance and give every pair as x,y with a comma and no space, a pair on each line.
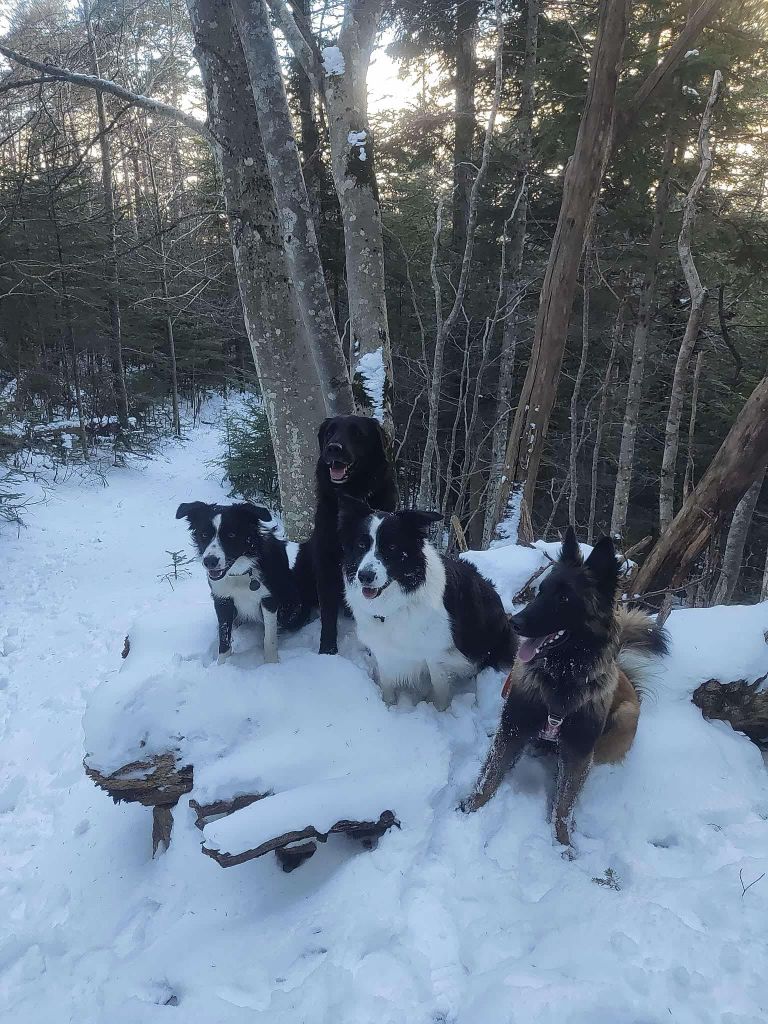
418,613
247,568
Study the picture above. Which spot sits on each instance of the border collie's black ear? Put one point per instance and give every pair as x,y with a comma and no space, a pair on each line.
570,551
190,509
603,564
262,513
321,431
420,521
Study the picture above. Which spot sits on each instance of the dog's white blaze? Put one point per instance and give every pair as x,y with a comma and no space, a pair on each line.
409,634
214,549
370,561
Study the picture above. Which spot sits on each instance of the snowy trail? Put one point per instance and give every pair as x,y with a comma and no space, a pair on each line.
452,920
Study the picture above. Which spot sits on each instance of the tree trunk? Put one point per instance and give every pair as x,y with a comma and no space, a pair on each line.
764,588
640,343
740,460
573,491
698,302
298,229
354,175
517,285
292,395
467,12
618,331
581,188
690,468
110,222
734,548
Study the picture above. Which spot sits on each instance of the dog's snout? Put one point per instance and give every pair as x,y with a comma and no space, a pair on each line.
516,621
211,562
366,576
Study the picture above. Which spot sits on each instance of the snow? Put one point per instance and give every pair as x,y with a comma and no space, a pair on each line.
333,61
371,372
452,918
357,139
690,53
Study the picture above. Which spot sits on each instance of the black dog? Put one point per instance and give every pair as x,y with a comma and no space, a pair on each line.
248,570
353,461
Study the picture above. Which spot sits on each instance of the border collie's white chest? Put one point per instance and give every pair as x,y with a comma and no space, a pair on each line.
238,588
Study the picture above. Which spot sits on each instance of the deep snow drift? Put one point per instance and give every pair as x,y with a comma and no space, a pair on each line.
473,919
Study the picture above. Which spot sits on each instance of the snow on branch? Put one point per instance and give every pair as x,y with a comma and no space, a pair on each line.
58,74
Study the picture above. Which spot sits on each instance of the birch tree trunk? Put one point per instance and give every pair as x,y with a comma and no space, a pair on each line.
689,463
618,331
110,222
734,548
740,460
354,176
297,226
293,398
640,343
581,187
573,491
517,285
699,296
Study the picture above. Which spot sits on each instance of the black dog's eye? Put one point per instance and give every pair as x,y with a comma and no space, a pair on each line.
564,598
231,535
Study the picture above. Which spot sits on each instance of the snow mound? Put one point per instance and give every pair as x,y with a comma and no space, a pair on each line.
311,731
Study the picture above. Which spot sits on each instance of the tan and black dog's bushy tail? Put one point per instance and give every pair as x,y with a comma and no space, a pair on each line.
639,634
640,640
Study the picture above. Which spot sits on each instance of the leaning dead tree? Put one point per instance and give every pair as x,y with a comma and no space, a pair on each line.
699,295
741,459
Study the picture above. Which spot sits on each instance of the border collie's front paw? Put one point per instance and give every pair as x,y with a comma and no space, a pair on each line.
223,655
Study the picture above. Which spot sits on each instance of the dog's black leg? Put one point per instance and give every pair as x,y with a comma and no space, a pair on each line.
521,719
225,613
577,743
329,587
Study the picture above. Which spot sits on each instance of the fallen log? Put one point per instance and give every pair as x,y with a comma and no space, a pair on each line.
293,848
742,704
157,782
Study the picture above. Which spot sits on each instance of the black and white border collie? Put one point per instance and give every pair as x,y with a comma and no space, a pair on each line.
417,612
248,570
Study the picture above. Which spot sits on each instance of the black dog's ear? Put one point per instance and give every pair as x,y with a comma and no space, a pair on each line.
420,521
321,432
603,564
353,508
191,509
570,551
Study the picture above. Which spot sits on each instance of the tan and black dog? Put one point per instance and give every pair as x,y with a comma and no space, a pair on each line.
572,685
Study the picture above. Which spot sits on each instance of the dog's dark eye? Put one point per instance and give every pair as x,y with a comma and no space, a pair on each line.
564,598
231,535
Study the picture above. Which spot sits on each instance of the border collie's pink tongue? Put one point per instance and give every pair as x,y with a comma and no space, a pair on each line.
338,471
529,648
371,592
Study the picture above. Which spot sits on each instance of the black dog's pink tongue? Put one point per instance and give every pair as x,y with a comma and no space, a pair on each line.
529,648
338,470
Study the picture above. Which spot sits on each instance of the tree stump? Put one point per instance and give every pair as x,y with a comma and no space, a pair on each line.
744,705
159,783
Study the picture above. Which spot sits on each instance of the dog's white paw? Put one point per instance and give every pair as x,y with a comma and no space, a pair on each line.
223,656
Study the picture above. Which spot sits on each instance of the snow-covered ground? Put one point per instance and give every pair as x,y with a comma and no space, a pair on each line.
468,919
